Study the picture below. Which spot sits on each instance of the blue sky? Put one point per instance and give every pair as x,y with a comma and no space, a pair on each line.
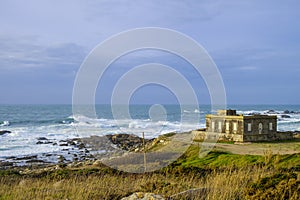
255,44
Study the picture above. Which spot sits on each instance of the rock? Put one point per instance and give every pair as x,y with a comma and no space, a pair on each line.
72,143
42,138
286,112
61,159
10,157
27,157
35,161
128,142
143,196
4,132
81,146
6,164
285,116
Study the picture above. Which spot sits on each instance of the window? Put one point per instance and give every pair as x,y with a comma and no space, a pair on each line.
235,126
249,127
271,126
260,128
220,126
227,126
212,126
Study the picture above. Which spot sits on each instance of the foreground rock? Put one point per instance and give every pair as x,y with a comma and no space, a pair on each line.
143,196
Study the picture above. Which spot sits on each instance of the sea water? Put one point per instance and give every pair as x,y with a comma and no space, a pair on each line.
27,123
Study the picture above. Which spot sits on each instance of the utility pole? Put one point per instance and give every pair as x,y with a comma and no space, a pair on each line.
144,148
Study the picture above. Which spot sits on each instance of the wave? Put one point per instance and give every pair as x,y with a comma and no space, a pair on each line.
196,111
133,126
68,120
268,112
289,121
37,122
4,123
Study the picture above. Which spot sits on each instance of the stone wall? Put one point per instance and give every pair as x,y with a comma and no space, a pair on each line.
243,128
213,123
201,135
284,136
229,126
264,120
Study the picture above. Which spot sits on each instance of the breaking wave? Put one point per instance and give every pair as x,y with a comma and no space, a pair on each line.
4,123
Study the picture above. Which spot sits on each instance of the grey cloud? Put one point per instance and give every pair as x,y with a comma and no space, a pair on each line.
24,52
151,12
245,58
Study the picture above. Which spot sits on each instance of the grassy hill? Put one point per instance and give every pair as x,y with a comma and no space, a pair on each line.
219,175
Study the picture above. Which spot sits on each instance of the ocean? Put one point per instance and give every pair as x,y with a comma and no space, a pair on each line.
29,123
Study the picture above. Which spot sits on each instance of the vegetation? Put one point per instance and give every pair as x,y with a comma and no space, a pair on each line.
219,175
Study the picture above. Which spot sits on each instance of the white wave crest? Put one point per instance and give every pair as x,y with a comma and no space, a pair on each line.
196,111
5,123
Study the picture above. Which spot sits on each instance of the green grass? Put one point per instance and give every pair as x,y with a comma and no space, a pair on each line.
217,159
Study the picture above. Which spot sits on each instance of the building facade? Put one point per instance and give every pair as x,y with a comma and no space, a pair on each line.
243,128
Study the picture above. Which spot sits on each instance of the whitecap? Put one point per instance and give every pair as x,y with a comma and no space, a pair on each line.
196,111
4,123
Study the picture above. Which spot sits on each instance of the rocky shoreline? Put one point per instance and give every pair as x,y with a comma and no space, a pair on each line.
90,149
77,150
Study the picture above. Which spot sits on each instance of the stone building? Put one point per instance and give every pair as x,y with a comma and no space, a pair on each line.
228,125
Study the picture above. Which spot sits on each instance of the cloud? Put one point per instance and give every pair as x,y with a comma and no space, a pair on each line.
150,13
48,40
27,52
246,58
247,68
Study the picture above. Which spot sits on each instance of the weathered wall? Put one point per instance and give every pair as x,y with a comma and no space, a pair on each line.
201,135
257,133
284,136
265,120
238,119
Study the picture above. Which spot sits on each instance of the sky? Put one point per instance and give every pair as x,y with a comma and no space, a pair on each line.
255,45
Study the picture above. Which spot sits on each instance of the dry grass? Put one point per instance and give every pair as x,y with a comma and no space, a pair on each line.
228,184
268,177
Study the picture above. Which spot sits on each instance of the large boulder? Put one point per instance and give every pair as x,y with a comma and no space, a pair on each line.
143,196
127,142
4,132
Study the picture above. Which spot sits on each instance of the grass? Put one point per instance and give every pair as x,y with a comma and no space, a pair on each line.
219,175
218,159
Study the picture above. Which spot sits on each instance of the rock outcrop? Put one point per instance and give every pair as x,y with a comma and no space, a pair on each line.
4,132
143,196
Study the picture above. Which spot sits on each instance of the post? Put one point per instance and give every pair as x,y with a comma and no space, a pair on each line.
144,148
